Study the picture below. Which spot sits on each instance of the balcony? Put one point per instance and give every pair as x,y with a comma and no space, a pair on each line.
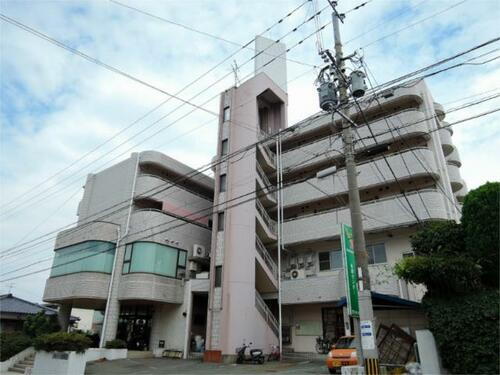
404,165
415,125
150,287
454,158
379,215
316,122
266,227
460,194
88,290
268,194
446,142
440,113
266,157
157,225
268,316
455,179
331,287
266,269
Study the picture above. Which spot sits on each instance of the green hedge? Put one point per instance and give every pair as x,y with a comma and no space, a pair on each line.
12,343
63,342
116,344
466,331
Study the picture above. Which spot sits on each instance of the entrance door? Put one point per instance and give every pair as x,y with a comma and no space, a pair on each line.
134,326
333,323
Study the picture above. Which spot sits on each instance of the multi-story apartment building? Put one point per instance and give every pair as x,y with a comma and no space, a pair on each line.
139,253
408,174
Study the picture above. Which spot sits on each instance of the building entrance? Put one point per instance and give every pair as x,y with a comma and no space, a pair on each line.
198,322
134,326
333,323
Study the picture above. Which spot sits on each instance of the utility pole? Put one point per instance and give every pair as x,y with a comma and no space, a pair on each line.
367,353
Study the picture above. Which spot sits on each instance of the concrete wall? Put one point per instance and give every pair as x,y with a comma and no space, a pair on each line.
170,325
379,215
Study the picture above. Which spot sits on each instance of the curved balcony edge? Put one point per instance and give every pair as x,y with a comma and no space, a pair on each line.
150,287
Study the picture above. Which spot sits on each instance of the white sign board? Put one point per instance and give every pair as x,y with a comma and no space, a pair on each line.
367,337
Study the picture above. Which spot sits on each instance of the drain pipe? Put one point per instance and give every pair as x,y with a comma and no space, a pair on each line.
115,260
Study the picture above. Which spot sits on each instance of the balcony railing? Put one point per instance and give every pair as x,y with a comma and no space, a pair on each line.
263,135
266,181
266,313
264,253
271,224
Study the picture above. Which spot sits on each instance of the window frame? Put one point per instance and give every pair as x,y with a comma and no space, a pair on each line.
223,183
224,147
220,227
226,113
371,254
177,266
218,277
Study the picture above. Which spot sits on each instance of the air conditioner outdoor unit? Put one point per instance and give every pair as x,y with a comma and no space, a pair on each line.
200,251
297,274
193,266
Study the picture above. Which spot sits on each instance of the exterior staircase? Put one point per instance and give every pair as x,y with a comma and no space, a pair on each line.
21,366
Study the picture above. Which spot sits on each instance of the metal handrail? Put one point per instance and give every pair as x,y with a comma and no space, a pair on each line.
266,313
267,219
264,135
261,249
266,181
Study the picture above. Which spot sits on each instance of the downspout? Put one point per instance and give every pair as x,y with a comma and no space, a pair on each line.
280,241
118,240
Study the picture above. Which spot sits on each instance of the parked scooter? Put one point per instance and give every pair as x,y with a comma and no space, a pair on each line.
274,355
255,356
323,345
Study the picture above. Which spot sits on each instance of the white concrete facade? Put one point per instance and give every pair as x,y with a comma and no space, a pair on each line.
408,174
152,211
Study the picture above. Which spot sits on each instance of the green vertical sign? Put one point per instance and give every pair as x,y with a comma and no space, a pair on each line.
350,270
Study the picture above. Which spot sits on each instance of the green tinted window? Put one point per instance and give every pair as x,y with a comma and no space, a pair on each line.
89,256
154,258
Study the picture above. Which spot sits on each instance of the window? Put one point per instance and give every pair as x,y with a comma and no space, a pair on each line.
218,276
224,147
324,261
150,257
226,114
88,256
376,253
222,183
220,221
330,260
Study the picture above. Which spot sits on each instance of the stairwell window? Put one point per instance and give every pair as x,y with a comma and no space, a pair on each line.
224,147
220,221
376,253
226,114
218,276
222,183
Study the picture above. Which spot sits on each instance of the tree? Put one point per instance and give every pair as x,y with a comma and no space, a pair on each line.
481,226
40,324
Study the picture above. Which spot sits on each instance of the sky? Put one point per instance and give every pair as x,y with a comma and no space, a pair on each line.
62,116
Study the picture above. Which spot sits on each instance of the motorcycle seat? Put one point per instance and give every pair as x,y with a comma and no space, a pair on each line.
255,352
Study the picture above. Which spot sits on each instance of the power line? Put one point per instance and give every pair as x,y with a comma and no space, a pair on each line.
414,23
190,28
442,61
98,62
219,80
150,111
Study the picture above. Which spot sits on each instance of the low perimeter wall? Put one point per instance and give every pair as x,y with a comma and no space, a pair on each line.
4,366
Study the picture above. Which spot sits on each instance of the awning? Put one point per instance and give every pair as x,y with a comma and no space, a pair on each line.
387,301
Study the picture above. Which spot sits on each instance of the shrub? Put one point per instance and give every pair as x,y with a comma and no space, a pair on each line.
12,343
466,331
40,324
62,342
480,219
116,344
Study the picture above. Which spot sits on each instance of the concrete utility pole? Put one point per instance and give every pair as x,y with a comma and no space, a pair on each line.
367,351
